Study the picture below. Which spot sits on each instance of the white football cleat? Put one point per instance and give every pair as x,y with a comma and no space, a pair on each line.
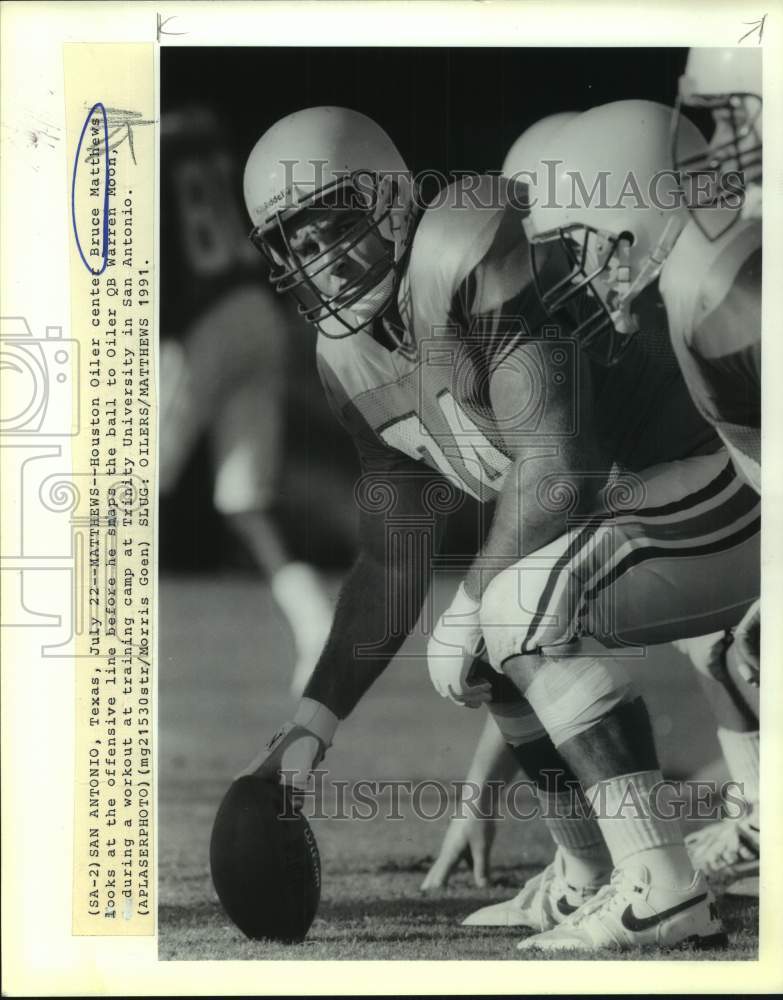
631,912
730,847
542,903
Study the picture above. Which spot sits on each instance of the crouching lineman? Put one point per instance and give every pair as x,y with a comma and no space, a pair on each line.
434,351
722,369
715,318
650,570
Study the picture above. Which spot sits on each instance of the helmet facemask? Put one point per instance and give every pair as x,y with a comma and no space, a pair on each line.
733,156
591,300
374,236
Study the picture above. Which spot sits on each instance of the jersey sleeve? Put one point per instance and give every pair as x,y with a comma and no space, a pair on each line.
374,455
726,355
726,344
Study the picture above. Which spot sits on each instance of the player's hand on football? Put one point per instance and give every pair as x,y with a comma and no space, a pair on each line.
453,645
470,838
747,643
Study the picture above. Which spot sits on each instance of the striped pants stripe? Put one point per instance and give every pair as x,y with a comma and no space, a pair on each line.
680,558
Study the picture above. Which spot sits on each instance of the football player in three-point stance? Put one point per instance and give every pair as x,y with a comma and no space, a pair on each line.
608,484
727,82
715,318
710,282
617,251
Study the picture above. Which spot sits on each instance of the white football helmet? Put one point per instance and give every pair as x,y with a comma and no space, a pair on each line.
726,83
527,149
605,212
329,157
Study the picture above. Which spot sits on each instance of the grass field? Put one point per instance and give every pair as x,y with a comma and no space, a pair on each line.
224,668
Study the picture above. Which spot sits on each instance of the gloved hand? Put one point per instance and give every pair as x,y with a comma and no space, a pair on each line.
455,642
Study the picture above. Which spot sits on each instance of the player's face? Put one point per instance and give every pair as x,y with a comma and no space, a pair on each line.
326,239
601,257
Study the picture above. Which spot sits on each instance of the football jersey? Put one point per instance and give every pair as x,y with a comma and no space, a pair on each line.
712,292
466,301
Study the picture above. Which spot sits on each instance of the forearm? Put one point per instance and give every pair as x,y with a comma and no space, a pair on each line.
377,609
559,465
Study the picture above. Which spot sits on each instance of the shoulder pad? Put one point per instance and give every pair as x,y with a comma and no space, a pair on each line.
471,223
733,252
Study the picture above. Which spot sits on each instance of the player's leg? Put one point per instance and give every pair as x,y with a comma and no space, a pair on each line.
247,439
581,863
604,733
512,743
685,557
732,845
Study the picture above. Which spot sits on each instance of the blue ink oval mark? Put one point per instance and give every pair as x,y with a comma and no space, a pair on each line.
105,225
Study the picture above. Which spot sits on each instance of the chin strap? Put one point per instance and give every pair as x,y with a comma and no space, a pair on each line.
622,319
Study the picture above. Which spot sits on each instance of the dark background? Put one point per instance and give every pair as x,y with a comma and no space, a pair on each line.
446,110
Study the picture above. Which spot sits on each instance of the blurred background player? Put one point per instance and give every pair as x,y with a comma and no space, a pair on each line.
227,349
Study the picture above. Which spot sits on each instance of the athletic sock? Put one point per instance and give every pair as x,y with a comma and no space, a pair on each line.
741,753
634,828
565,814
578,836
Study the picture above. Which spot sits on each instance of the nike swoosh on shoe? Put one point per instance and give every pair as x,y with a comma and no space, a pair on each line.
564,907
631,922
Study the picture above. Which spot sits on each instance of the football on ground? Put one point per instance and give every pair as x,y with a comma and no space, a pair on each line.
264,862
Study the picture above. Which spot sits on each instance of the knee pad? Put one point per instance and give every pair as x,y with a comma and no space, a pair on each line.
571,694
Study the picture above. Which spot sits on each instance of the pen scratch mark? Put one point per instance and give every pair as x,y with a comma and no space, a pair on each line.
121,122
757,26
162,22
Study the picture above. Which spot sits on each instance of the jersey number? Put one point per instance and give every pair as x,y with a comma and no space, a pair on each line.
463,455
